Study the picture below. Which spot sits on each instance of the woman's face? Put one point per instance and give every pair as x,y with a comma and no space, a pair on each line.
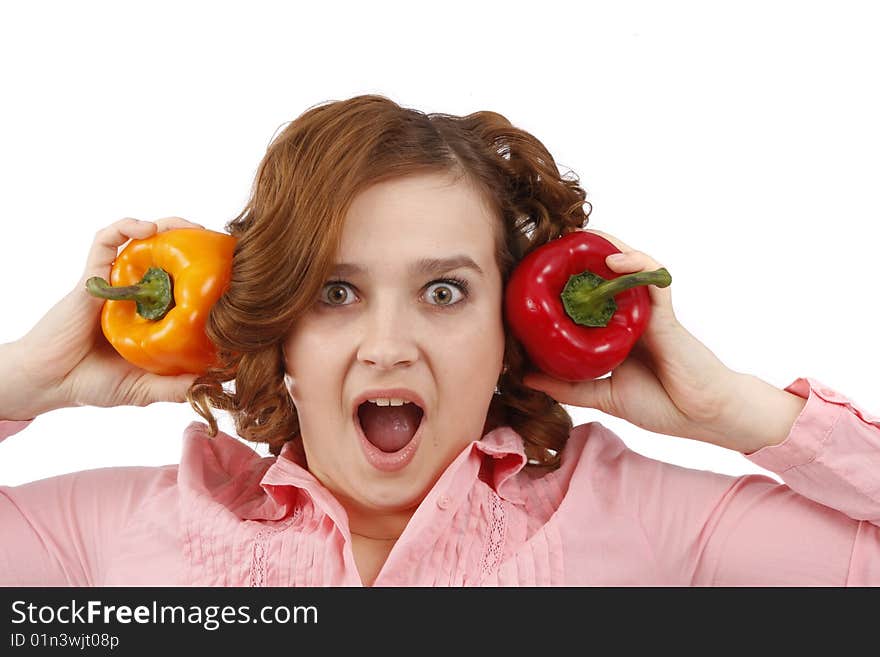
390,324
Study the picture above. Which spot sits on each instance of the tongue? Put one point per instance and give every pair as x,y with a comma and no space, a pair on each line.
389,427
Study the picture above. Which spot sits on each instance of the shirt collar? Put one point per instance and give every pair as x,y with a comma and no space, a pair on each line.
500,455
505,457
501,452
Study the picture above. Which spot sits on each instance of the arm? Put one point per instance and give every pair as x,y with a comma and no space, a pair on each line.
59,531
818,528
62,531
20,401
831,453
31,554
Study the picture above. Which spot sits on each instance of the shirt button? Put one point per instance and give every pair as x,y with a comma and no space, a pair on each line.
443,502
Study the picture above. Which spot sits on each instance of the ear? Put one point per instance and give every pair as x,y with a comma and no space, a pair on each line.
290,384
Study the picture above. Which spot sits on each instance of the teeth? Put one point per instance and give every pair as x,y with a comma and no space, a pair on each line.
385,401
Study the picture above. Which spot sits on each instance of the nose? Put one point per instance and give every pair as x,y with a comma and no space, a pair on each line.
388,339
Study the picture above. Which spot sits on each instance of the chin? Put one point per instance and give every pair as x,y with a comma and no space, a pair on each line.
394,494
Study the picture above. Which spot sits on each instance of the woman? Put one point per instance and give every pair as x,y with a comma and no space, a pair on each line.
362,338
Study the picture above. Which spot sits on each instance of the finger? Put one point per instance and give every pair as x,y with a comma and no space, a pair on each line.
160,388
108,240
631,261
588,394
636,261
170,223
622,246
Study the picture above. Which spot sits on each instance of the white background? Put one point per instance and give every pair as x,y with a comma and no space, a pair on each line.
737,143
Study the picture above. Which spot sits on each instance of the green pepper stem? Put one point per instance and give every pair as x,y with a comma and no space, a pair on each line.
615,286
589,299
152,295
98,287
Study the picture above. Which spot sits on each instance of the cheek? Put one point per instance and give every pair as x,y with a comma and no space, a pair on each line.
471,357
481,340
308,357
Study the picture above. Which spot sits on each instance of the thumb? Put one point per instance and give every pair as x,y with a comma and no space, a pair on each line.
167,388
595,393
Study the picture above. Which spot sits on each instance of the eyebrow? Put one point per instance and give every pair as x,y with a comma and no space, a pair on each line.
422,267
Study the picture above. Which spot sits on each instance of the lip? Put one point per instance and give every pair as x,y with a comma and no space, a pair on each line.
398,393
389,461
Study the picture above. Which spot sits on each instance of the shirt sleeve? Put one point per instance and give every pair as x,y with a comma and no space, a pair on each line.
12,427
820,527
61,531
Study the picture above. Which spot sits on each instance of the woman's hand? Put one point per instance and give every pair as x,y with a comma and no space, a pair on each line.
670,383
65,360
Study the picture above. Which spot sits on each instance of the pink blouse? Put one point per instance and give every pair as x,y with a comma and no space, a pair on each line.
226,516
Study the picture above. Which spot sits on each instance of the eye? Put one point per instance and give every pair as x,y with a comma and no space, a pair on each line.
444,291
337,293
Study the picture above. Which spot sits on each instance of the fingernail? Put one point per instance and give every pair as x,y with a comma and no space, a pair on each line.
616,257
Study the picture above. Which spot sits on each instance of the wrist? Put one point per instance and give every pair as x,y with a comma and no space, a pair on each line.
761,415
20,398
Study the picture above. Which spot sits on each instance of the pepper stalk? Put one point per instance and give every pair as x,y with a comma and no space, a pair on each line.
153,294
589,299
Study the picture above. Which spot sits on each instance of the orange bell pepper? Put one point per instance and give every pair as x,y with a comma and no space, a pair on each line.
163,288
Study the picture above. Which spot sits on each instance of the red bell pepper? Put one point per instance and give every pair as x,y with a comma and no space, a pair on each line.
576,319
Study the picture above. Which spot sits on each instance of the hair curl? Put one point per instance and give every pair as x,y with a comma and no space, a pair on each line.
290,230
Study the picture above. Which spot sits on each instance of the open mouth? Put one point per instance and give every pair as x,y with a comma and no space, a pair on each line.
389,428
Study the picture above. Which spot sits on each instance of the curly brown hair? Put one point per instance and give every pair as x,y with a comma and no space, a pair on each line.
291,227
